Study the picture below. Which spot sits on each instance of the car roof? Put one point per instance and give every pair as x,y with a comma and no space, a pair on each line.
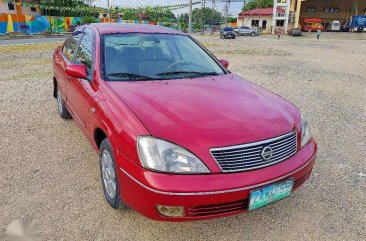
105,28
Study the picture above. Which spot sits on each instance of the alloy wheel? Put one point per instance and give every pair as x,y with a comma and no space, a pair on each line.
109,175
59,101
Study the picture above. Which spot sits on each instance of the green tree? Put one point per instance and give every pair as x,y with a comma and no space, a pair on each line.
88,19
231,20
207,15
184,17
183,20
69,8
156,14
258,4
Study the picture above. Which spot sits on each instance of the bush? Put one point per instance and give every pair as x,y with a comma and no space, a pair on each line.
88,19
231,20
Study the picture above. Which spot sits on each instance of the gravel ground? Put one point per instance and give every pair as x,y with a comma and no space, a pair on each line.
49,172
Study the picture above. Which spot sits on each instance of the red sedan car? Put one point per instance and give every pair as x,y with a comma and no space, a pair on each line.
179,136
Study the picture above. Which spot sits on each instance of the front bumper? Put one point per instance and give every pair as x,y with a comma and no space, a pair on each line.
207,196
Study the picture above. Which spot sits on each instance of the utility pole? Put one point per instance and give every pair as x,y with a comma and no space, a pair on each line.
203,7
109,10
226,10
212,15
190,17
245,3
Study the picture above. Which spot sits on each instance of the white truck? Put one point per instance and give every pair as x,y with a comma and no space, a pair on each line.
243,30
335,26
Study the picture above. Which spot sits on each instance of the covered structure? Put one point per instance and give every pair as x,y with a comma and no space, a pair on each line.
267,19
260,17
328,11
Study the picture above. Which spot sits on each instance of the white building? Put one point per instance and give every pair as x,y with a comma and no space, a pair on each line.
261,18
19,7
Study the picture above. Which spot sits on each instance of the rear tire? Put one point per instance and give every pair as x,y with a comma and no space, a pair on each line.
61,107
109,177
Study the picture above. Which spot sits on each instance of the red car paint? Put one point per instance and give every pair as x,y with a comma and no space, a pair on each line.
198,114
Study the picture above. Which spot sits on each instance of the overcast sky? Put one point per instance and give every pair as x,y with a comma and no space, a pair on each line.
235,8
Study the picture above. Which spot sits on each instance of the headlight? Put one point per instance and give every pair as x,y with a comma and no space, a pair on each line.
163,156
305,132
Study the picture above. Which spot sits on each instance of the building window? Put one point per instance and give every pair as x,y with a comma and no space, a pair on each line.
11,6
255,23
311,10
104,15
33,9
280,23
331,10
264,24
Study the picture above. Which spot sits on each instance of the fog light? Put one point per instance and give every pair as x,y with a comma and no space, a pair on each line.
170,211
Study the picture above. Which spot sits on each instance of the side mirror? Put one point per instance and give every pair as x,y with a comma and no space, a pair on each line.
224,63
76,71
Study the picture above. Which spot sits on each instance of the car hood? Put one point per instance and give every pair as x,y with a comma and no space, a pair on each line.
208,112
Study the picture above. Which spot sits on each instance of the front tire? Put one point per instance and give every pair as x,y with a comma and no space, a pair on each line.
109,177
61,107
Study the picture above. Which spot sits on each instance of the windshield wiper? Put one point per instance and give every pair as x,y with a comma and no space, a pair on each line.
196,73
131,76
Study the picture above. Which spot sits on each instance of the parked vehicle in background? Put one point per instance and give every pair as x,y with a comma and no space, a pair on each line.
227,32
312,25
243,30
356,24
294,32
335,26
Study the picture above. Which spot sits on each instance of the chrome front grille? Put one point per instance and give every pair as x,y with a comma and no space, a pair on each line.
256,155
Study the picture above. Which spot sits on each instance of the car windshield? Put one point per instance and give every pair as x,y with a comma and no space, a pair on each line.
138,56
228,29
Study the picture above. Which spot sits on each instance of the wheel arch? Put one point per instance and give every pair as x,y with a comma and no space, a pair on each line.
99,135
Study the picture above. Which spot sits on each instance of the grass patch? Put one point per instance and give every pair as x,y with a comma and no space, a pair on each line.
27,48
26,61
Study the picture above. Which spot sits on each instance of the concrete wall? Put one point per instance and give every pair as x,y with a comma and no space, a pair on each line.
28,11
